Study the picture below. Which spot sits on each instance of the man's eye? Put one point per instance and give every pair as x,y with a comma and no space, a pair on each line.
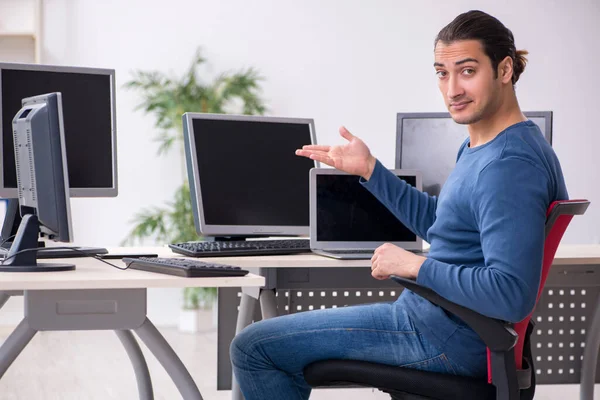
468,71
441,74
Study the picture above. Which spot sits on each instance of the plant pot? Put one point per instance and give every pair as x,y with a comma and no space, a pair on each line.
188,321
197,320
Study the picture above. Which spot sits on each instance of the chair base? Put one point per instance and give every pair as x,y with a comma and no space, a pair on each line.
407,396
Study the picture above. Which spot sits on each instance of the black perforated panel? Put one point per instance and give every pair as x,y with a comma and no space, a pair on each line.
562,320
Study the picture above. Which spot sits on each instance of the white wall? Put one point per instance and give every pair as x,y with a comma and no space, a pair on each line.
340,62
348,62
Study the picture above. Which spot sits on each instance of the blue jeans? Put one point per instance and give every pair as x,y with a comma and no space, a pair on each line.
268,356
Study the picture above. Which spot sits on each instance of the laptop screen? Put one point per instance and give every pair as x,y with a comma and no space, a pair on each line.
347,212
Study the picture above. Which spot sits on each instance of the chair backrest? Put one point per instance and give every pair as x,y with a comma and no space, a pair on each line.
559,215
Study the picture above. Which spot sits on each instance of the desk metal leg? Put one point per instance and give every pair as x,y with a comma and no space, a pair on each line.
14,345
245,313
6,294
268,303
169,360
139,364
590,356
3,298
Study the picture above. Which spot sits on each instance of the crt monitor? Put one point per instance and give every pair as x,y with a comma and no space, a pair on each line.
88,96
245,177
43,182
429,142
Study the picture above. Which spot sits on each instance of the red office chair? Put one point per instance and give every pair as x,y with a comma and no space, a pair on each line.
511,375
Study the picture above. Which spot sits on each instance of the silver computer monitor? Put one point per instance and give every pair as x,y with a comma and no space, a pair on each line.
429,142
88,97
42,176
345,215
245,178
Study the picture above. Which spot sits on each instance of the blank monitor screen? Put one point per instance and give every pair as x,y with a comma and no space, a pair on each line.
88,113
249,178
429,142
346,211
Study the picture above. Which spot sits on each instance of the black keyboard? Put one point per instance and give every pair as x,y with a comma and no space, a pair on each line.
242,247
183,267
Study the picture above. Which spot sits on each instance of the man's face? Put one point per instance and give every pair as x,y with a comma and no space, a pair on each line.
467,80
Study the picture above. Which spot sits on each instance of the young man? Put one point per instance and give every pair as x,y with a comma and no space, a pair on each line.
486,232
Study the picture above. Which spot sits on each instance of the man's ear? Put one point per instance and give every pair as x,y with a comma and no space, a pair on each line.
505,70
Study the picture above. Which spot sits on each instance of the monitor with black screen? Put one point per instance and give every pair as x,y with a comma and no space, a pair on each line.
348,221
245,178
88,98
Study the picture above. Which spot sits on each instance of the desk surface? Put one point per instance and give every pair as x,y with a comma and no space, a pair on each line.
93,274
577,254
566,255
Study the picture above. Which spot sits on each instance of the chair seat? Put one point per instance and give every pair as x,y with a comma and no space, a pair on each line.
397,380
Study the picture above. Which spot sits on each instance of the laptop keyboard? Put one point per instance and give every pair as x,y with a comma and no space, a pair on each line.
349,251
364,251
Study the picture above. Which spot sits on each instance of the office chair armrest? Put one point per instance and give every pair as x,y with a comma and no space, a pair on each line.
498,336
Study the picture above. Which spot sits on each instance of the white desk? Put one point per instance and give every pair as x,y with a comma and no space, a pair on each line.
577,254
96,296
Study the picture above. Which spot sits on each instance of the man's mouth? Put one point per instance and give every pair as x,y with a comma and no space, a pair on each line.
459,105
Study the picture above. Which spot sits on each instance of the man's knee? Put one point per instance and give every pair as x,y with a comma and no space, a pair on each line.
243,343
237,347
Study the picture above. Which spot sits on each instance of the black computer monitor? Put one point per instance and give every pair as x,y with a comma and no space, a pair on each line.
345,215
245,178
88,96
43,182
429,142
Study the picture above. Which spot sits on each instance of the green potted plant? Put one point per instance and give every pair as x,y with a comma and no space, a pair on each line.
167,98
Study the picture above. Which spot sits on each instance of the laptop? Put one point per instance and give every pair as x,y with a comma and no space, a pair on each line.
348,222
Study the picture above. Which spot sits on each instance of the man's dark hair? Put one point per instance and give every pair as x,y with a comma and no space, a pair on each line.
497,40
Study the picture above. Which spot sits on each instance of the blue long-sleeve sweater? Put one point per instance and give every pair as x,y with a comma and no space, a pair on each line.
486,232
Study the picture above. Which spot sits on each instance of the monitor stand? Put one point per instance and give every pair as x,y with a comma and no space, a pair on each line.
18,260
12,220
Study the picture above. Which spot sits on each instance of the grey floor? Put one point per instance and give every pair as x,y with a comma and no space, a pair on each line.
93,365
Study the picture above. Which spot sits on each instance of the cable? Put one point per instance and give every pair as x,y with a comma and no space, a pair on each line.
7,239
2,249
75,249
